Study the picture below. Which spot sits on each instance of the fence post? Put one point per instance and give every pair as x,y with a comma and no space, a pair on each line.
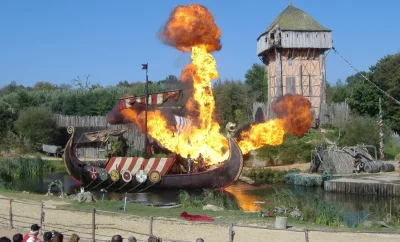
151,226
231,233
41,217
94,224
306,234
11,215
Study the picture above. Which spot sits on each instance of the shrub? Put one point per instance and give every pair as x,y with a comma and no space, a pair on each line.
362,130
268,176
38,125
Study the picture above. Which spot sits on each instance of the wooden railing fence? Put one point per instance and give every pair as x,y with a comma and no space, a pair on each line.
95,226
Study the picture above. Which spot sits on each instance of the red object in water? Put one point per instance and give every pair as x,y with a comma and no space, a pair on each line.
192,217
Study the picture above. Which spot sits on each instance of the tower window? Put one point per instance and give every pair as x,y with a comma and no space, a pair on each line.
290,61
287,35
272,36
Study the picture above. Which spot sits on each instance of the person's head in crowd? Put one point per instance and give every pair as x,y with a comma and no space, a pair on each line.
116,238
58,237
132,239
4,239
47,236
74,238
17,238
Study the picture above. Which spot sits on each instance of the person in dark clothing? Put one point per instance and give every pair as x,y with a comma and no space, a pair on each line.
18,238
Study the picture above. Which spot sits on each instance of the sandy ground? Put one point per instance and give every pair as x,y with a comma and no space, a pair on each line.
109,224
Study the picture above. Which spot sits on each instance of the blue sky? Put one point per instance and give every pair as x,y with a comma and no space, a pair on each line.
56,41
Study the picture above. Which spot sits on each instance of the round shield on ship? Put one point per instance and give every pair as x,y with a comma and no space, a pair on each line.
114,175
126,176
155,176
103,174
141,176
93,173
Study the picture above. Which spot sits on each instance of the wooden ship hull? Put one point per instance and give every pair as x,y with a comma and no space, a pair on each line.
97,178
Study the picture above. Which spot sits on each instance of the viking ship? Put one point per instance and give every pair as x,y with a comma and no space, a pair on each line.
130,174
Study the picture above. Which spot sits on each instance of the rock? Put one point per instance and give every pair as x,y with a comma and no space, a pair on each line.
297,214
84,197
367,224
382,224
247,180
212,208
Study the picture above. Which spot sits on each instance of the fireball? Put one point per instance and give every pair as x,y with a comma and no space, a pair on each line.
192,28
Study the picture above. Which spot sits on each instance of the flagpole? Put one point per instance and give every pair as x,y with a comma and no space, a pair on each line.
146,141
381,156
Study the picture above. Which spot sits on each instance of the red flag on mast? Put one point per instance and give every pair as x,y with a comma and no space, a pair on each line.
144,66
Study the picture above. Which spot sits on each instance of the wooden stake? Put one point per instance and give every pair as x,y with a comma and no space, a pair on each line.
306,234
231,233
151,226
11,215
94,224
41,217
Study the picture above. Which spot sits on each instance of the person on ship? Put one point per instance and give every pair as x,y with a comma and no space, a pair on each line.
200,163
190,164
32,235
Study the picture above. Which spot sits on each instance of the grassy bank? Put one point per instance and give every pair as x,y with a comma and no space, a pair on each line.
13,168
316,210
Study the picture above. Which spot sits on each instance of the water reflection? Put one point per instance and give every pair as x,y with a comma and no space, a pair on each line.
244,194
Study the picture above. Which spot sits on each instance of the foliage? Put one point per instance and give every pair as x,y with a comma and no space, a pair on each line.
301,180
7,117
213,197
12,168
268,176
257,80
37,124
232,102
293,149
362,130
314,209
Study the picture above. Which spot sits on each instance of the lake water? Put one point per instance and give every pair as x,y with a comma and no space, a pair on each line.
244,194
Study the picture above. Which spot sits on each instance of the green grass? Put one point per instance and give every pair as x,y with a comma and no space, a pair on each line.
314,209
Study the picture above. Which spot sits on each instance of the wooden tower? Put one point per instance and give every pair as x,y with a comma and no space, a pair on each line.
292,48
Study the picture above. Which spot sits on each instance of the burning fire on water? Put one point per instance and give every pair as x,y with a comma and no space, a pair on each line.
192,28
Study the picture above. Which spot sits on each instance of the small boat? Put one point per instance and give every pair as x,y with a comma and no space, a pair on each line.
133,174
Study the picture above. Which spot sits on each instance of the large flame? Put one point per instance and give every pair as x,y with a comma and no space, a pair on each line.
192,28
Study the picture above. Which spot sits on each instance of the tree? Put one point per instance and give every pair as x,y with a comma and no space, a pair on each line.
256,79
37,124
340,92
7,118
44,86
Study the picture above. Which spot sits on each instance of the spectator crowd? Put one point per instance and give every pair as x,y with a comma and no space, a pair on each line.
54,236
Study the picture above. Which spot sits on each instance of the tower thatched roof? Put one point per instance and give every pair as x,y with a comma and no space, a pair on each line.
295,19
